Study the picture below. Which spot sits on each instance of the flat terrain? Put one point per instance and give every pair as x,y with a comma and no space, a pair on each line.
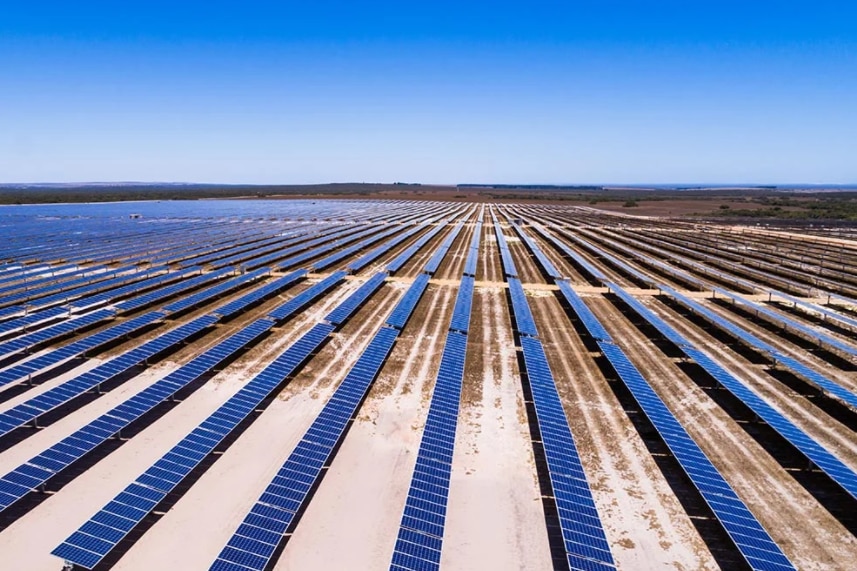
775,308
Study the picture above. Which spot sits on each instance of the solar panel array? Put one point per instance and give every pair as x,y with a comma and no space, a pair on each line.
255,541
81,346
822,339
418,545
60,276
583,535
93,541
828,385
402,312
259,294
39,470
434,262
213,292
346,309
751,539
508,262
32,409
102,532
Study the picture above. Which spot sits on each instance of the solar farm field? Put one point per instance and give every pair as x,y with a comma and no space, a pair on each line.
404,385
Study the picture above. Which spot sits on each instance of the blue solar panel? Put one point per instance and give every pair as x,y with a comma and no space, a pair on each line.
214,291
272,288
418,544
289,490
34,408
344,310
826,461
164,475
372,255
434,262
543,260
41,336
593,326
169,291
403,310
720,497
463,303
307,296
581,528
54,460
524,322
351,250
789,323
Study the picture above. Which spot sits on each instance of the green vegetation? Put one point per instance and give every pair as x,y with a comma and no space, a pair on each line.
820,206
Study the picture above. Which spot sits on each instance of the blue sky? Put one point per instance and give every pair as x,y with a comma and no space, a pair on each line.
548,92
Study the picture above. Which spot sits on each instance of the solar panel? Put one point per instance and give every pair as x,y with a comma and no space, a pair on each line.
290,488
372,255
247,300
169,291
163,476
307,296
582,311
720,497
418,544
463,303
34,408
543,260
55,459
214,291
347,308
582,533
524,322
434,262
826,461
789,323
403,310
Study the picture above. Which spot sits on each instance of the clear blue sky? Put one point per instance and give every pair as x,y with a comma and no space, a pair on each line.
615,91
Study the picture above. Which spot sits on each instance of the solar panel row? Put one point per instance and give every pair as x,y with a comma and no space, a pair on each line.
403,310
36,338
789,323
434,262
543,260
255,541
473,251
32,409
505,255
354,248
97,537
749,536
169,291
418,545
347,308
583,535
375,253
215,291
751,539
258,537
524,322
830,386
579,260
408,253
23,480
274,287
32,319
306,297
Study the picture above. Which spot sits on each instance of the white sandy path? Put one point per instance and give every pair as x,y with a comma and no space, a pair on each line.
495,518
353,519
